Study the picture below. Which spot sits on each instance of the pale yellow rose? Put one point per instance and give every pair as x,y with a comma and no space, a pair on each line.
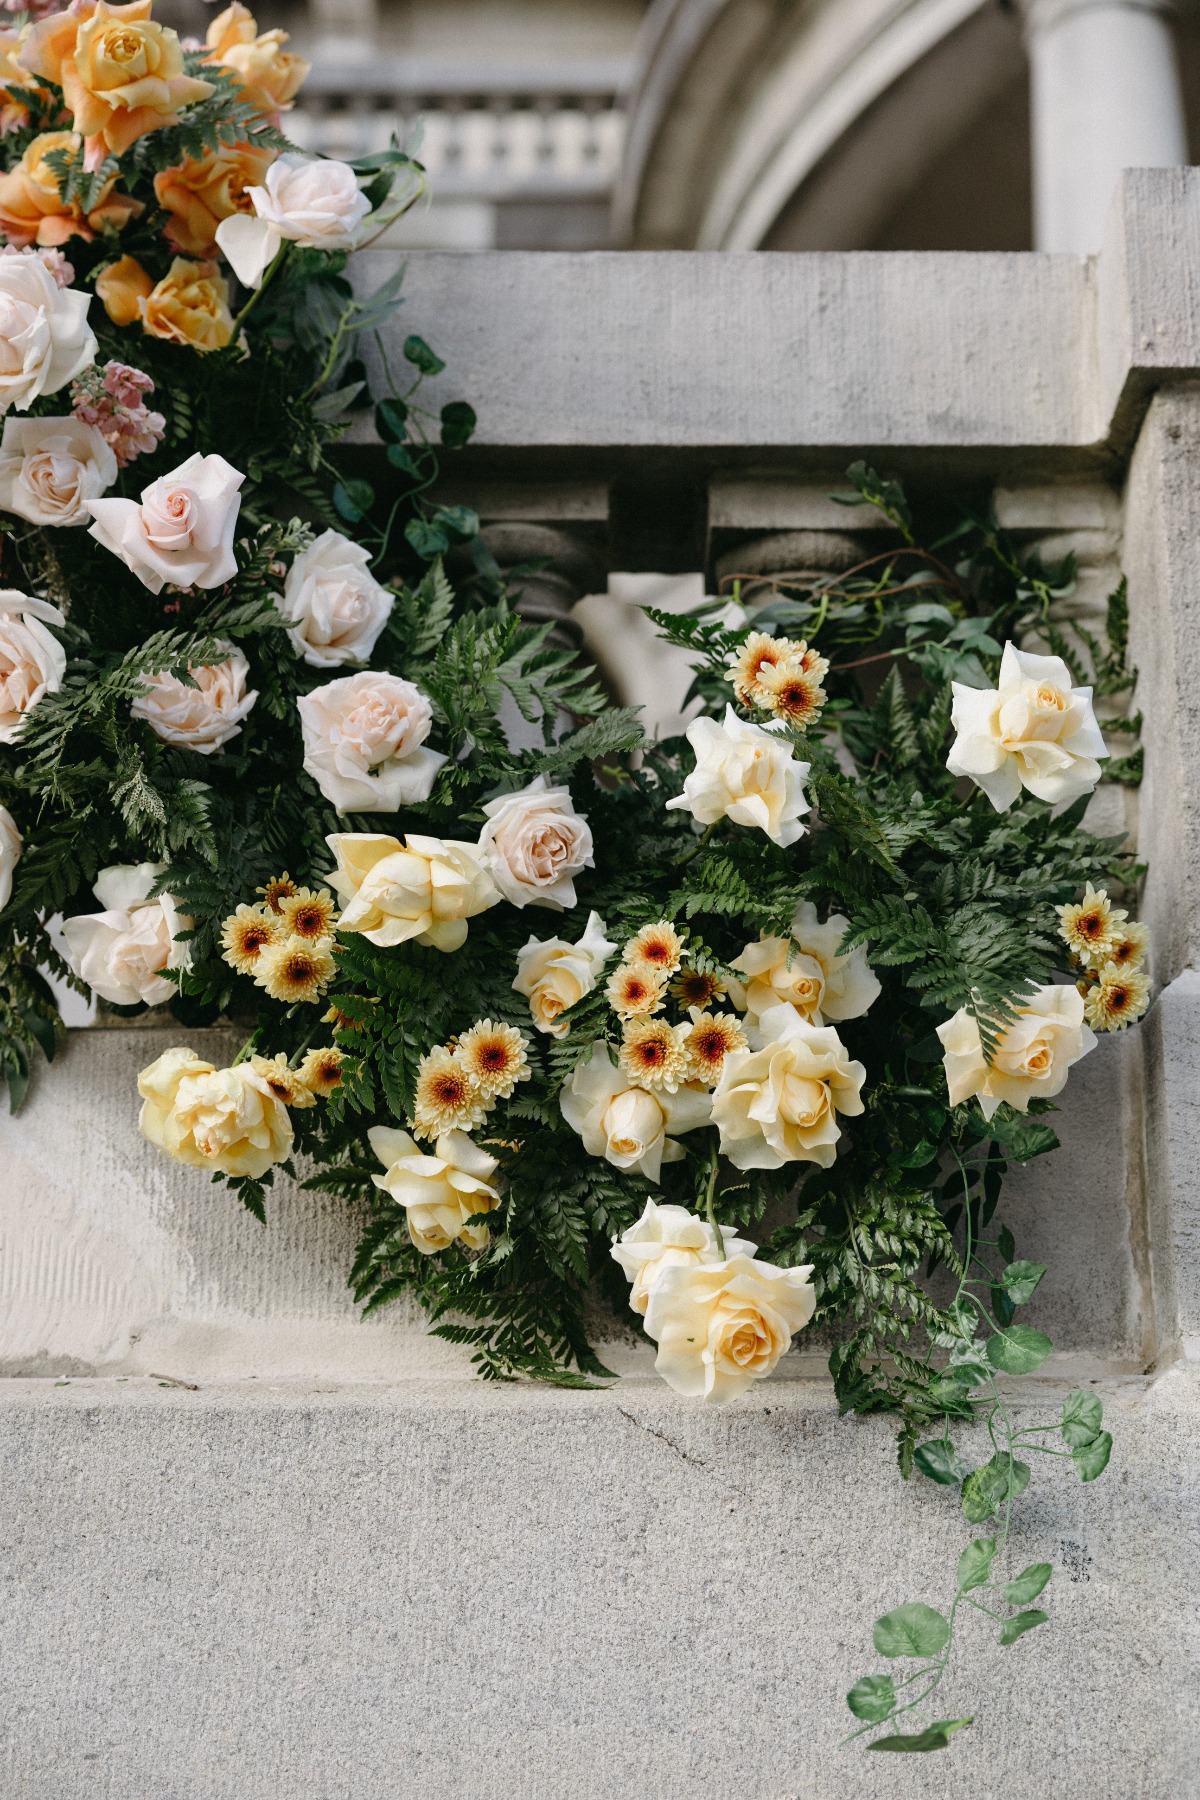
123,77
780,1104
808,971
1034,731
667,1237
439,1192
553,974
746,774
623,1123
32,210
1032,1058
719,1327
227,1120
426,888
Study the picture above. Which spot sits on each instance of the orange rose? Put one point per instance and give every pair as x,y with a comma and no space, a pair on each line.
51,41
190,305
268,75
199,194
32,210
124,77
122,288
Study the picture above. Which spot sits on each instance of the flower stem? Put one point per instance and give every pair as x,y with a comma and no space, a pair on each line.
709,1197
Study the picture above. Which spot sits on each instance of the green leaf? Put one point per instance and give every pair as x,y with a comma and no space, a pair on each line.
458,424
1028,1584
913,1630
1082,1417
986,1490
418,353
940,1462
975,1564
458,518
401,457
1012,1629
1091,1460
353,499
934,1737
1019,1350
1019,1280
390,420
426,539
873,1698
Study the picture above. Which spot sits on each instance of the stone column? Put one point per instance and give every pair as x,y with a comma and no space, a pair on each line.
1105,97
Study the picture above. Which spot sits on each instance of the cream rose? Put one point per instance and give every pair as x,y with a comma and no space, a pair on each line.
439,1192
45,340
808,971
668,1237
553,974
181,531
333,607
1034,731
311,201
1032,1058
744,773
426,888
624,1124
721,1327
122,951
32,661
533,843
205,716
222,1119
51,469
364,742
779,1104
11,846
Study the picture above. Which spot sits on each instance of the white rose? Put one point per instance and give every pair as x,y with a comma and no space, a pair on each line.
333,608
667,1237
222,1119
51,469
624,1124
721,1327
779,1104
45,340
1032,1057
426,888
744,773
181,531
439,1192
205,716
533,843
11,846
313,201
363,742
808,971
32,661
1034,731
553,974
122,951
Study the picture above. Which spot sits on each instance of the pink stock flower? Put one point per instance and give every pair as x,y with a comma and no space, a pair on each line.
54,260
113,399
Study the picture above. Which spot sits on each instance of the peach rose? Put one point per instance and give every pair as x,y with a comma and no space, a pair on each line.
123,77
32,210
268,75
203,717
45,339
190,305
122,288
364,742
122,950
52,469
181,531
332,605
808,971
11,846
198,194
32,661
534,842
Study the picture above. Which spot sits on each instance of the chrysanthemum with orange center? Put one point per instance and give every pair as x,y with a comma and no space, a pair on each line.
1118,998
447,1096
294,970
245,934
693,988
495,1055
1089,926
759,652
279,888
792,693
284,1081
660,945
635,989
1129,945
653,1053
309,913
321,1070
710,1039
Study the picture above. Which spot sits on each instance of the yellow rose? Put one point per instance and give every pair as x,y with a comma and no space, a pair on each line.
52,40
426,888
808,971
223,1119
190,305
32,210
269,76
668,1237
123,77
553,974
122,288
1031,1059
746,774
780,1104
624,1124
439,1192
719,1327
199,194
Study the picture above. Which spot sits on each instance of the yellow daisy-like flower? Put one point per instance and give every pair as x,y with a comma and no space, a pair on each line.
284,1082
278,888
1117,999
295,969
321,1070
1129,945
692,988
710,1039
1089,926
495,1056
245,934
654,1054
759,652
635,989
309,913
659,945
447,1096
792,693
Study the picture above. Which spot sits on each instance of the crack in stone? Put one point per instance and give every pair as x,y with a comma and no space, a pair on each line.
653,1431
